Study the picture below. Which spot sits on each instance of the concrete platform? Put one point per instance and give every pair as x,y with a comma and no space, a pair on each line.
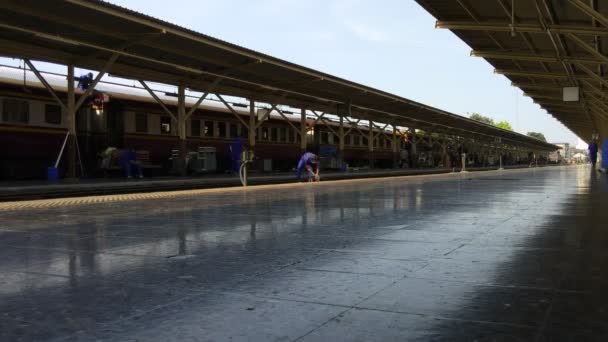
28,190
515,255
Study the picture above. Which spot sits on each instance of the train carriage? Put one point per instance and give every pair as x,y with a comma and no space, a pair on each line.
33,127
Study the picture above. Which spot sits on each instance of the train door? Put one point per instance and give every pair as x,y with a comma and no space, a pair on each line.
91,137
115,125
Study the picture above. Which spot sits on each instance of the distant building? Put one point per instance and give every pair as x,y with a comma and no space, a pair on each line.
565,150
567,154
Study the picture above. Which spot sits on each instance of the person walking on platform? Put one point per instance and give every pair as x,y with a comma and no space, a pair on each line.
593,152
236,149
128,159
310,162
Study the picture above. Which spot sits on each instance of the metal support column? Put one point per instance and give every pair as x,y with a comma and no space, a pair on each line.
413,155
370,143
303,130
181,126
341,131
445,156
395,148
252,125
71,122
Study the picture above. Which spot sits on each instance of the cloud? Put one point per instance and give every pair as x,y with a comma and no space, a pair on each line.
368,33
354,16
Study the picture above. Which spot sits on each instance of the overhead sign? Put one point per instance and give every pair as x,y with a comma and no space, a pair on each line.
263,114
571,94
344,109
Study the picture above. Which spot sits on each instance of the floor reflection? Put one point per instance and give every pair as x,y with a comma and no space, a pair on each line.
496,256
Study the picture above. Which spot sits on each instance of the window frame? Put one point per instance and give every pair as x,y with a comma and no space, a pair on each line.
59,112
22,117
195,123
138,116
165,120
221,125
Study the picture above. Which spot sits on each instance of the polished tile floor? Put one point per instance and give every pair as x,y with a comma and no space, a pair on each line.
518,255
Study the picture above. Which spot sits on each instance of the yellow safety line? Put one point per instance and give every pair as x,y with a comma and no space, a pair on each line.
74,201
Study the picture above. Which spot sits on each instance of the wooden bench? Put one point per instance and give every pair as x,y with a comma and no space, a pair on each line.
143,157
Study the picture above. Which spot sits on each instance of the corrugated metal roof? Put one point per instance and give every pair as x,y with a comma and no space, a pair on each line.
542,47
89,31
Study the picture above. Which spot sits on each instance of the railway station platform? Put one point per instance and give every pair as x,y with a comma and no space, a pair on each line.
30,190
513,255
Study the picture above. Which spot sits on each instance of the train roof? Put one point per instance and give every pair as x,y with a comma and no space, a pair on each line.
20,77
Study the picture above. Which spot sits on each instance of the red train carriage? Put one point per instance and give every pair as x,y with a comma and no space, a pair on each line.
33,126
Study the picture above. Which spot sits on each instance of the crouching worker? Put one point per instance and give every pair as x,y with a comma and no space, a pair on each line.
128,160
310,163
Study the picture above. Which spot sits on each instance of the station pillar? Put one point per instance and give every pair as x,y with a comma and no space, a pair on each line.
341,132
252,124
303,130
71,122
181,127
445,156
395,148
413,155
370,144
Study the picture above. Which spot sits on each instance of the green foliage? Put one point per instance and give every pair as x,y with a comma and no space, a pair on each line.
481,118
537,135
487,120
504,125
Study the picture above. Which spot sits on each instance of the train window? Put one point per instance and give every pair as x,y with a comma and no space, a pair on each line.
324,138
347,140
274,135
165,125
17,111
244,132
195,128
209,131
364,141
221,129
52,114
356,140
264,133
141,122
282,134
291,136
234,130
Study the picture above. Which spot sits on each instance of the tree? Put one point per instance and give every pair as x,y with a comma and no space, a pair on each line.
504,125
537,135
481,118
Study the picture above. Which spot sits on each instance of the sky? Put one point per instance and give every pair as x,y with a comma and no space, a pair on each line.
392,46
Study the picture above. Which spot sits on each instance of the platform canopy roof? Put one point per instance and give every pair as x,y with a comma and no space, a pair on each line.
89,33
542,46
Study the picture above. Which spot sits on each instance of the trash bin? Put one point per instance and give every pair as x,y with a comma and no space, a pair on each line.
52,174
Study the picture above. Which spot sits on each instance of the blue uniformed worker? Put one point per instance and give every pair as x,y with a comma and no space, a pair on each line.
128,160
310,162
593,152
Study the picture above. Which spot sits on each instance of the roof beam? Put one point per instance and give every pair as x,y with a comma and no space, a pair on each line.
535,74
592,74
547,87
589,10
46,84
535,58
522,28
581,43
542,96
